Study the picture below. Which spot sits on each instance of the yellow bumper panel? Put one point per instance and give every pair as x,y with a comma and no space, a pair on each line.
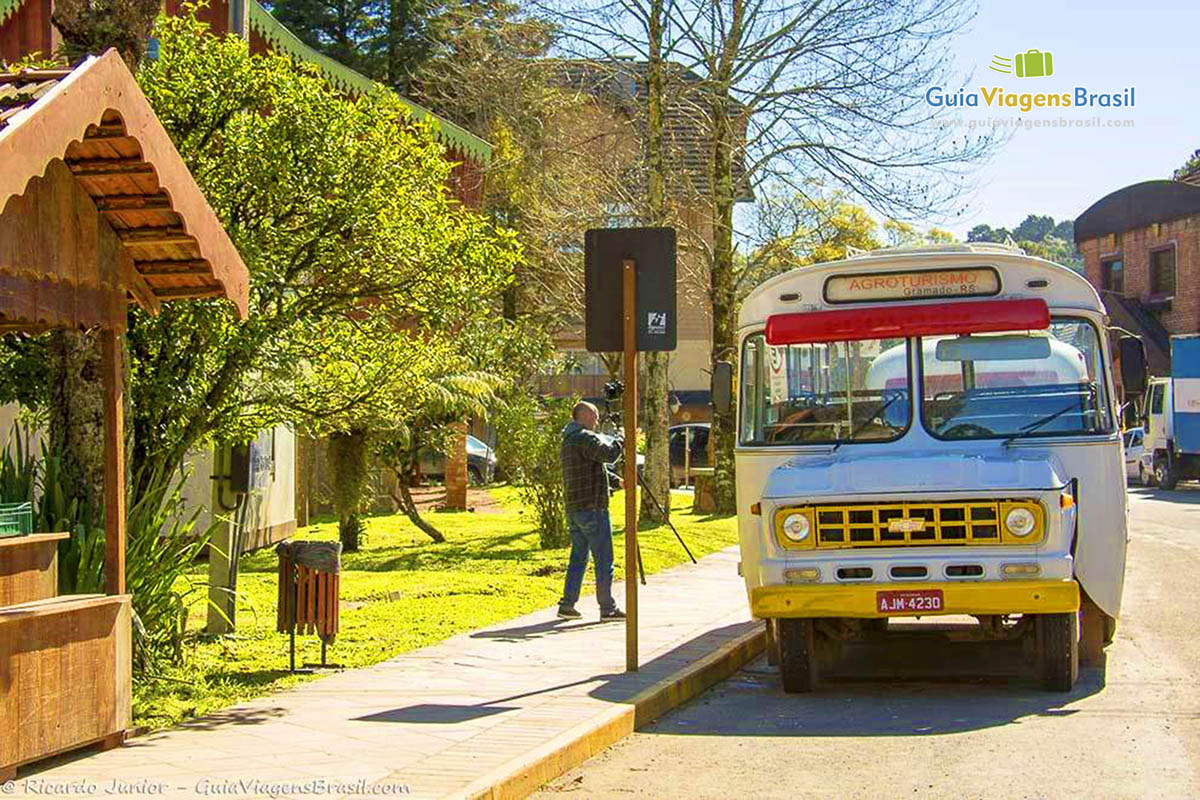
859,599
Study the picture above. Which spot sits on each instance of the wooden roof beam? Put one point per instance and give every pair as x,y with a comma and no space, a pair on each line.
110,166
191,266
133,202
149,236
189,292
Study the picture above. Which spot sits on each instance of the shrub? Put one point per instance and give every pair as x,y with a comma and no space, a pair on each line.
529,437
161,546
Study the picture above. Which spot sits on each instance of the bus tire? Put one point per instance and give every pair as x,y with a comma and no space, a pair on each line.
797,642
1057,650
772,643
1164,473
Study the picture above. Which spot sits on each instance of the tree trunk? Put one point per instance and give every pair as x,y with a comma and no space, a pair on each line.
77,413
722,286
724,300
406,503
657,474
348,464
657,419
397,74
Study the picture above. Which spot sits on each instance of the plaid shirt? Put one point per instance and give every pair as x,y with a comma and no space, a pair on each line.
584,454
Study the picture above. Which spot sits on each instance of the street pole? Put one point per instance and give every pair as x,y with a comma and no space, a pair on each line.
629,270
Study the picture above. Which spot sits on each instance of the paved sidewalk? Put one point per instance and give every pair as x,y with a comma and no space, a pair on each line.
450,720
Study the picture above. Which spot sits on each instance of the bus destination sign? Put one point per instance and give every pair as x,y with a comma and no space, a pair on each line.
912,285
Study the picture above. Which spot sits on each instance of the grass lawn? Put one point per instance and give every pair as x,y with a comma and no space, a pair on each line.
401,591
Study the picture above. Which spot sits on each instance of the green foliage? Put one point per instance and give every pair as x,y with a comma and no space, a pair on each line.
89,27
386,40
1188,167
161,546
361,264
1039,236
529,439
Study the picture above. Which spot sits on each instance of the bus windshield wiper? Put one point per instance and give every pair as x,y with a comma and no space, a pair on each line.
857,429
1037,423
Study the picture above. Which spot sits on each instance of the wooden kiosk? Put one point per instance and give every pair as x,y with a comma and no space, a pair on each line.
96,207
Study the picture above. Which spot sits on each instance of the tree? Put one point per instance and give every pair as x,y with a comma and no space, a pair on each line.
340,210
795,230
89,27
1188,168
1039,236
1034,228
384,39
822,90
802,92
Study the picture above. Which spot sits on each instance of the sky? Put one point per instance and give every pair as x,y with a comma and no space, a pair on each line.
1105,46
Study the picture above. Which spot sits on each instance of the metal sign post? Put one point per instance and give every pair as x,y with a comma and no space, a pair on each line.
629,283
630,307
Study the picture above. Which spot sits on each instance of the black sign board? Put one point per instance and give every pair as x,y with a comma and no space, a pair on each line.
605,251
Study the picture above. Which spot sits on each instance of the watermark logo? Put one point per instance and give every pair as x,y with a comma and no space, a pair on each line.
1046,98
1030,64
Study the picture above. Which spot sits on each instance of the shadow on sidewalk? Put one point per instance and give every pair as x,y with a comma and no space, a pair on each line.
536,630
620,687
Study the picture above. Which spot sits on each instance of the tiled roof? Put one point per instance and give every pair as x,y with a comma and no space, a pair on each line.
20,90
94,125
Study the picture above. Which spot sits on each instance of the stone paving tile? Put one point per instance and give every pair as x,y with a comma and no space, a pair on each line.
439,718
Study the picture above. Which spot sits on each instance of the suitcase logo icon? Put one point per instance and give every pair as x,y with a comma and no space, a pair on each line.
1030,64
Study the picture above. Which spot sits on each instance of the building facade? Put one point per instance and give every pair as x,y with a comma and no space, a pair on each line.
1141,250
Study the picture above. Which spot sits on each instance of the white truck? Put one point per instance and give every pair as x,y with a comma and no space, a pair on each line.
1171,419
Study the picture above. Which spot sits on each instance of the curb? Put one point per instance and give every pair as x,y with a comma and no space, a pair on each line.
524,776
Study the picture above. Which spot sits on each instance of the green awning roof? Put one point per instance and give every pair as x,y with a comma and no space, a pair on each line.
346,79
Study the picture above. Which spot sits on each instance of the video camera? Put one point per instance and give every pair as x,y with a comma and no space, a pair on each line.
610,418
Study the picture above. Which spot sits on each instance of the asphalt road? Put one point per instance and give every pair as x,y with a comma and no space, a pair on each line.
926,724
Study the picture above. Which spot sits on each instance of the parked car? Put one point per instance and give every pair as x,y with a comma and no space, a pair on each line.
1134,447
690,438
481,463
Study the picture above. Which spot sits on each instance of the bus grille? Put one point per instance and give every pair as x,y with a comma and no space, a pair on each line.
870,525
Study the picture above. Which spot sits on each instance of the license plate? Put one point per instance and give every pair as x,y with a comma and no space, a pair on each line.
909,602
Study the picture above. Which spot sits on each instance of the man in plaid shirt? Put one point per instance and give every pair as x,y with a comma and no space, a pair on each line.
584,453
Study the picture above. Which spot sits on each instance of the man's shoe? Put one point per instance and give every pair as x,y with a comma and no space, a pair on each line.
565,612
612,614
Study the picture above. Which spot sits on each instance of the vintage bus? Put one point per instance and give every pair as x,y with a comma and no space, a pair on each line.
930,432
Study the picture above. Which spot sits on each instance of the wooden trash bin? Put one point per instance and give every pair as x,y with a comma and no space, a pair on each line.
309,586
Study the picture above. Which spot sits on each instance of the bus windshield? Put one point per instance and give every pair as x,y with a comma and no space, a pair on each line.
1014,385
824,393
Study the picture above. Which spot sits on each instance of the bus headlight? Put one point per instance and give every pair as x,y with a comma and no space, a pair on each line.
1020,522
796,527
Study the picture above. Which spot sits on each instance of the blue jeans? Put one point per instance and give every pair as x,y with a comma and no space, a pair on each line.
590,530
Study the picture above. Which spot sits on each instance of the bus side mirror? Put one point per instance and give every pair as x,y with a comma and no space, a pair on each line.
722,387
1132,353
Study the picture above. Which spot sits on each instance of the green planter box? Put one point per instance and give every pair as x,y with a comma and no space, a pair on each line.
16,519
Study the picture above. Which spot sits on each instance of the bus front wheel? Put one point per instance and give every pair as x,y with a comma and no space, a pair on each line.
797,643
1057,650
1164,473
